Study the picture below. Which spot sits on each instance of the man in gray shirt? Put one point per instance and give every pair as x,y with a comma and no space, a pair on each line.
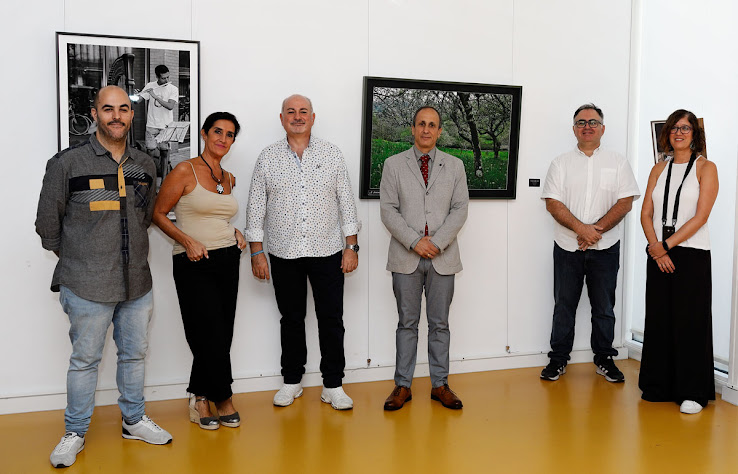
93,213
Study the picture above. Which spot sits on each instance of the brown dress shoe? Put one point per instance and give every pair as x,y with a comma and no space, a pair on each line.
446,396
397,398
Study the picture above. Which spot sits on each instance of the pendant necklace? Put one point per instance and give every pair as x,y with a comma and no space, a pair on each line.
219,187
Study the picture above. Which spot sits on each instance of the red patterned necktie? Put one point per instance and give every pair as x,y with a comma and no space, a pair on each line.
424,167
424,171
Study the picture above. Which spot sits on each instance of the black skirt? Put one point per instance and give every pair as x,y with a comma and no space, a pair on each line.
677,362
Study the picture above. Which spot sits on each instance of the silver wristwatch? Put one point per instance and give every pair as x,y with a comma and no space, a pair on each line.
354,247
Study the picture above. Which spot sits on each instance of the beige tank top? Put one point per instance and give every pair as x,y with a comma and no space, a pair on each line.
205,216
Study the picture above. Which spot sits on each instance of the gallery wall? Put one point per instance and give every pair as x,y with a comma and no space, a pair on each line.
253,54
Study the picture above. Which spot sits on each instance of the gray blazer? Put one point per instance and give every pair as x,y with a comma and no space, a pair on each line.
406,205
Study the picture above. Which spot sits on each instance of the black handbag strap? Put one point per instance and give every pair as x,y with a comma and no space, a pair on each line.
692,159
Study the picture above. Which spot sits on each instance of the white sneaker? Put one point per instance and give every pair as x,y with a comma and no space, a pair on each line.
337,398
287,394
146,430
690,407
66,451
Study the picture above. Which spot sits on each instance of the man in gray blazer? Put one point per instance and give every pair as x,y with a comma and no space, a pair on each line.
423,201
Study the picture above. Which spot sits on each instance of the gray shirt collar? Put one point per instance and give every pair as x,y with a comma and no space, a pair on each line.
100,150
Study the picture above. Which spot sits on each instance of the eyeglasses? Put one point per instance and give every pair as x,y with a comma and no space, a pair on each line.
591,122
684,128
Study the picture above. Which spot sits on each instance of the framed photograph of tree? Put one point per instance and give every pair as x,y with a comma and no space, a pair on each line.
480,125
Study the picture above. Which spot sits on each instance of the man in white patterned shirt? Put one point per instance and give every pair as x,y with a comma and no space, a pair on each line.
300,192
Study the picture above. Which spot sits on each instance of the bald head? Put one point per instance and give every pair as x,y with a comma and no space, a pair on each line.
299,98
297,116
113,113
111,93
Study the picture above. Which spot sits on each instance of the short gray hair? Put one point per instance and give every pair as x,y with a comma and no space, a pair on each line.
284,102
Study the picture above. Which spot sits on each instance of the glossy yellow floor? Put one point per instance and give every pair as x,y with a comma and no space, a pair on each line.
512,422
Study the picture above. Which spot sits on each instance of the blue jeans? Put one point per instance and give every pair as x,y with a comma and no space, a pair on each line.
89,326
600,268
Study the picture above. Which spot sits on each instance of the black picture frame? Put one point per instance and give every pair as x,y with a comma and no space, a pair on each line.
87,62
388,108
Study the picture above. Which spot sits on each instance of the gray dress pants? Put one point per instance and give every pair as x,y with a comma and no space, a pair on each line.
439,291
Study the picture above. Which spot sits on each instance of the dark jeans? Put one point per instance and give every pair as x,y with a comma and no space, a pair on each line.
290,278
600,268
207,293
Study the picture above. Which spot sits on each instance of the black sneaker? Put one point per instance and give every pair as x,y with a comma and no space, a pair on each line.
606,367
553,370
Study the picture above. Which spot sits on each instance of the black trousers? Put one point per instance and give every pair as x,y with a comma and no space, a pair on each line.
290,278
677,361
207,293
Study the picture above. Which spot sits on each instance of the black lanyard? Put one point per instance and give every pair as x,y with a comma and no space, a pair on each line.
692,159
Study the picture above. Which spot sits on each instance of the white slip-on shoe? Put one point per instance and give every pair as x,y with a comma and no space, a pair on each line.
337,398
287,394
690,407
66,451
146,430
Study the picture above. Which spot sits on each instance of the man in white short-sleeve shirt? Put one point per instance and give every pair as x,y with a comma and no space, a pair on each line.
588,191
162,96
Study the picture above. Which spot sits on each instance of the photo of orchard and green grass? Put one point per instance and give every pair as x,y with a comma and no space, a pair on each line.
475,128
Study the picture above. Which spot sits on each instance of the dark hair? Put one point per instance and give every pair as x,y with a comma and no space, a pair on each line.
698,135
590,106
415,116
215,116
161,69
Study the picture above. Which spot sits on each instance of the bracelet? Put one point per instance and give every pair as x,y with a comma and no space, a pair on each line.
257,253
665,245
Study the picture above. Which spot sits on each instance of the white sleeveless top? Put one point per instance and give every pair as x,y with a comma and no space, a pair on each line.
687,204
205,216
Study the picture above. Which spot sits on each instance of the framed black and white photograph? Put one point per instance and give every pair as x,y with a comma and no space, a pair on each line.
658,151
162,78
480,125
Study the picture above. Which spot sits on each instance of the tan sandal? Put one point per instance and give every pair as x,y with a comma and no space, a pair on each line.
207,422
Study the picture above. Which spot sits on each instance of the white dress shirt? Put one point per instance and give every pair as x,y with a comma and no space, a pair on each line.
589,186
307,204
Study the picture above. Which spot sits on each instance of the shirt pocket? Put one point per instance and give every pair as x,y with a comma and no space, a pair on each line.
141,193
609,179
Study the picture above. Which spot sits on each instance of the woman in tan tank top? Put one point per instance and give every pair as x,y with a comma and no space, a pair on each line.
207,252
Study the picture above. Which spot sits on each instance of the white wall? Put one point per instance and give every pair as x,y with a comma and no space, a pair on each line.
688,61
253,54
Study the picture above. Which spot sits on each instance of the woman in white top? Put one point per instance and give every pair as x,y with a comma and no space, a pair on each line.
677,362
207,253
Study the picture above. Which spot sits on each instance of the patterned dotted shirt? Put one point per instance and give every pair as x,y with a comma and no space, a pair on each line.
301,201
